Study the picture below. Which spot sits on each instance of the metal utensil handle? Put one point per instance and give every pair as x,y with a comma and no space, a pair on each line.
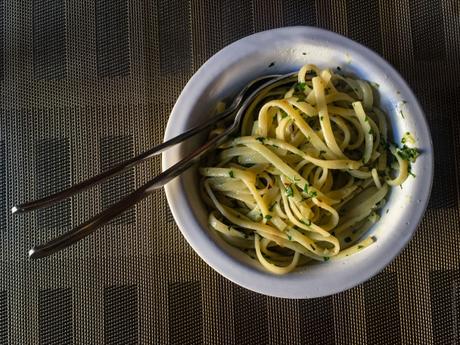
79,187
127,202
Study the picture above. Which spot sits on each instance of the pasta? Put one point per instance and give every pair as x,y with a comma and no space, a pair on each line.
307,175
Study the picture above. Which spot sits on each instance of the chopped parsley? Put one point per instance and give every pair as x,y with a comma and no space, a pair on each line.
326,258
283,114
408,153
303,53
312,247
272,64
301,97
401,113
347,239
261,139
289,237
373,238
232,175
360,246
272,206
371,132
321,118
311,194
268,217
307,222
300,86
322,152
407,137
289,191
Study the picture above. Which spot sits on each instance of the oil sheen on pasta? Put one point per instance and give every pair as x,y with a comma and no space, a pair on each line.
308,174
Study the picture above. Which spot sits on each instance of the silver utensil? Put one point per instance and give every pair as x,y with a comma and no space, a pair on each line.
248,94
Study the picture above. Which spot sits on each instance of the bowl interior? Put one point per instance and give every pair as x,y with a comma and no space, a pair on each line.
278,52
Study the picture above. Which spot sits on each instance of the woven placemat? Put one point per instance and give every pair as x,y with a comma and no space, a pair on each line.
86,84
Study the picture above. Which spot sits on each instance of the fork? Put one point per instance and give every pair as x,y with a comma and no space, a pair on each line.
248,94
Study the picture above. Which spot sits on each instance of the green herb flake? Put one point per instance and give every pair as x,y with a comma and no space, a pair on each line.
374,239
339,68
289,191
360,246
301,97
305,188
407,153
347,239
404,102
312,247
401,113
371,132
366,119
388,210
322,152
272,206
300,86
232,175
313,194
326,258
261,139
283,114
321,118
307,222
272,64
289,237
268,217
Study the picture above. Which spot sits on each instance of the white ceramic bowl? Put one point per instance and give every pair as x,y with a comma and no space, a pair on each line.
289,48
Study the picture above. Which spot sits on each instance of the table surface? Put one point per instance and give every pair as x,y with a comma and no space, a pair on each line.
86,84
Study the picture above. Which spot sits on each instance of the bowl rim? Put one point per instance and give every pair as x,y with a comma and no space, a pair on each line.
224,263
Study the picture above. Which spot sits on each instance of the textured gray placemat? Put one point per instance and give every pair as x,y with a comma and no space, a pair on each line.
85,84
